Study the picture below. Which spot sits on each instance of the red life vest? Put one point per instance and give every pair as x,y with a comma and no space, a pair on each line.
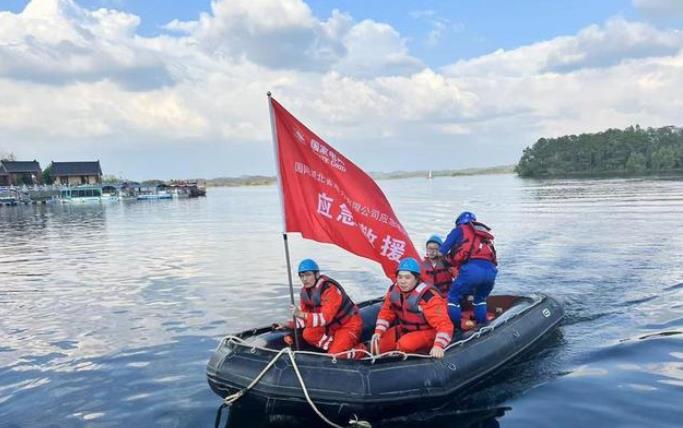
407,308
311,299
438,276
477,243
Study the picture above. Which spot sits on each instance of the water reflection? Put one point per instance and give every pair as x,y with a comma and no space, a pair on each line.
471,418
108,314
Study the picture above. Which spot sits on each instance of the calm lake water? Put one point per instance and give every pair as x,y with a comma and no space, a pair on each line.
108,314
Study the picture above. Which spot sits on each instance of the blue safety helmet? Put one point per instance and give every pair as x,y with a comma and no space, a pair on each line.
409,264
308,265
435,239
465,217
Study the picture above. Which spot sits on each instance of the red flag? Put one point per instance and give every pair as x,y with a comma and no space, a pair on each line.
329,199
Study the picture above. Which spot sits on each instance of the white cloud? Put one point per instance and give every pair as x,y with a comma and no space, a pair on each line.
436,33
90,68
57,42
658,9
593,47
376,49
285,35
439,25
614,75
272,33
186,27
76,78
439,28
85,111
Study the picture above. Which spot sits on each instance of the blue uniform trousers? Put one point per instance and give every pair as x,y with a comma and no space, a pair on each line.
476,277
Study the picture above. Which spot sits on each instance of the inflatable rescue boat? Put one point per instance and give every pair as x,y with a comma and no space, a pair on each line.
257,367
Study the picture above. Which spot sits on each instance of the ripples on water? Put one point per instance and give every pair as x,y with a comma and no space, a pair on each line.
110,313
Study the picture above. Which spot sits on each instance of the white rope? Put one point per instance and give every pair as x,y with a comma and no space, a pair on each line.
361,423
370,356
312,404
230,399
236,396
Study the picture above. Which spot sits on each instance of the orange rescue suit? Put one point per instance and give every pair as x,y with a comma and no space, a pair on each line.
477,243
414,321
439,274
331,321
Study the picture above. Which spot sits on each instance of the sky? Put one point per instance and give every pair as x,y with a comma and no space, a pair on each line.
159,89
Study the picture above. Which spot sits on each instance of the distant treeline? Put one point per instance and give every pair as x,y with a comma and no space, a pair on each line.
503,169
632,151
259,180
246,180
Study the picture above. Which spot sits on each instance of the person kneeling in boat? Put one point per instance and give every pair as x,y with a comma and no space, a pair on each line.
436,270
329,318
420,314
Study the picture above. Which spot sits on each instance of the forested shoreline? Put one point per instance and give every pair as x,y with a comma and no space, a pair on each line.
632,151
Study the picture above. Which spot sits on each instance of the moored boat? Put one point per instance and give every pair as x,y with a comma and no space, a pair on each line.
85,195
161,194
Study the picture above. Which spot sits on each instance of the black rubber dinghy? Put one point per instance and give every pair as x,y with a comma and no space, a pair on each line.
369,388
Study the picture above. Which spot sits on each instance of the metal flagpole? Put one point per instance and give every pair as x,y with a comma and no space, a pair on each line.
273,129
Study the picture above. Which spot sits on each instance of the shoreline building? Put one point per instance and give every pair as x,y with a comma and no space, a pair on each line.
17,173
75,173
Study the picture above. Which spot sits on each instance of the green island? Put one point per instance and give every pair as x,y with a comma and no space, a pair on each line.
614,152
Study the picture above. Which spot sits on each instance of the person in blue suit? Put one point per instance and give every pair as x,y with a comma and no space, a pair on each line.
470,248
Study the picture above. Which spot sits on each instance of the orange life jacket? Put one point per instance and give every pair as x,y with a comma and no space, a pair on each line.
477,243
406,306
311,299
438,276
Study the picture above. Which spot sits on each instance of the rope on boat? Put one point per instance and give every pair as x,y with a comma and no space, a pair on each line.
230,399
359,423
219,414
227,401
312,404
236,396
370,356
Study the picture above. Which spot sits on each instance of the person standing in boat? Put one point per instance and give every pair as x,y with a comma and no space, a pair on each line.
470,245
329,318
418,312
436,270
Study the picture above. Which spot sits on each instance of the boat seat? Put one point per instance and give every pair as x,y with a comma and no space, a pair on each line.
369,315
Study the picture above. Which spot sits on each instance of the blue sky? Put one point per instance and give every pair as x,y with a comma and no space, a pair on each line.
399,85
473,28
470,28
